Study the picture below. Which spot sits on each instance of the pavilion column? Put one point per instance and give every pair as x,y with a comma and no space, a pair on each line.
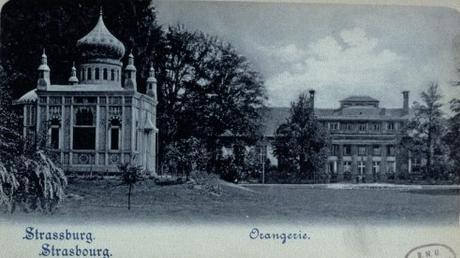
369,163
340,163
354,161
383,163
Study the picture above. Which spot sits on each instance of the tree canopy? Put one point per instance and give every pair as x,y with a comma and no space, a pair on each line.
301,144
205,88
423,134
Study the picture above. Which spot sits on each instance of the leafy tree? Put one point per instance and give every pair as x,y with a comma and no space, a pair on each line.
206,89
301,143
423,134
28,179
185,155
452,138
130,176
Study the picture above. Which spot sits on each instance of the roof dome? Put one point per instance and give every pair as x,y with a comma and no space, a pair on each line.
100,43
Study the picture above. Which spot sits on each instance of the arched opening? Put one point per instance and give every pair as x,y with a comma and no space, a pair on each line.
96,74
89,75
104,74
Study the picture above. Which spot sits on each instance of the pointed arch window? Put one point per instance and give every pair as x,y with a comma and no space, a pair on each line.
55,134
115,126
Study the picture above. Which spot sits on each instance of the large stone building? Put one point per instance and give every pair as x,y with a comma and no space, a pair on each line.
95,122
363,137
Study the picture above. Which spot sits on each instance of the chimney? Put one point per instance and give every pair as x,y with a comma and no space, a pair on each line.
405,101
312,99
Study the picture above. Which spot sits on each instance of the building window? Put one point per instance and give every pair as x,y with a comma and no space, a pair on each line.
375,127
391,126
376,150
391,167
96,74
361,167
114,138
362,150
346,150
112,75
390,150
104,74
82,74
362,127
89,74
346,126
335,150
332,167
347,166
115,125
55,137
84,130
333,126
118,75
376,167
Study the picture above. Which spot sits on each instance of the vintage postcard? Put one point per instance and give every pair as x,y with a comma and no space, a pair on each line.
155,128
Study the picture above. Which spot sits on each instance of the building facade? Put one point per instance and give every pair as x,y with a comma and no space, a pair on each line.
96,122
363,137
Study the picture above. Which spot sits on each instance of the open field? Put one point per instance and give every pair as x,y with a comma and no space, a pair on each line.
106,200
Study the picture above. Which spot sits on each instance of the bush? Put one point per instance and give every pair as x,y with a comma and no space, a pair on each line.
33,183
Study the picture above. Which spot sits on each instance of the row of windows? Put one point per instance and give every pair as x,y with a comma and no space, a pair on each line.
360,126
84,138
363,150
361,167
87,74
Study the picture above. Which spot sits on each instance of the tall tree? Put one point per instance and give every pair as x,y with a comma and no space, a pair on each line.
302,142
452,138
206,89
424,132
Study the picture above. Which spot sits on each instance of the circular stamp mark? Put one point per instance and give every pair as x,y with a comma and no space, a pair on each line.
433,250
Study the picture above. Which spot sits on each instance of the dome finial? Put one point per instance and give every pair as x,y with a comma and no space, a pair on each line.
151,71
73,75
44,59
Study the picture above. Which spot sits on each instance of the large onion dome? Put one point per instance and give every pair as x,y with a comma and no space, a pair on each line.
100,43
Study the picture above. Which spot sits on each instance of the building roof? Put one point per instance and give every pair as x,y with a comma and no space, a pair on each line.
85,87
359,99
275,116
29,97
100,43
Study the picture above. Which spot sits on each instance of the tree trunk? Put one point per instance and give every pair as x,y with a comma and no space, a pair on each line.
129,197
429,155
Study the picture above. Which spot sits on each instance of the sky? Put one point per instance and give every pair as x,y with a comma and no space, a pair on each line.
338,50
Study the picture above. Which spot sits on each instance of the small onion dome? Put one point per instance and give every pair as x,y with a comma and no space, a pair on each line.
130,66
44,63
151,77
100,43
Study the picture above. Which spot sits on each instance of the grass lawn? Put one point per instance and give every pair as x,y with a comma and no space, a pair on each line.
106,200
